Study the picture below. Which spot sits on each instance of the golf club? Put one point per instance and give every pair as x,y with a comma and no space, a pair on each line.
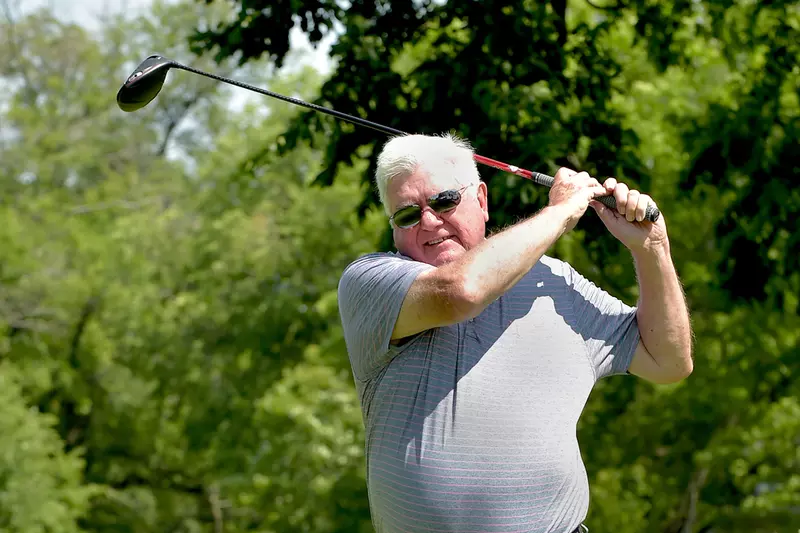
145,83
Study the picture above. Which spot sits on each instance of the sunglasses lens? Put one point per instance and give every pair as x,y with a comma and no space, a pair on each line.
446,201
441,203
407,216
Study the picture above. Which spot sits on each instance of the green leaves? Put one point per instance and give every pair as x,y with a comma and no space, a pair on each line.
168,301
41,486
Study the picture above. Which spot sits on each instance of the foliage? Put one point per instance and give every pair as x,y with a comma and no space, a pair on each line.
171,353
41,486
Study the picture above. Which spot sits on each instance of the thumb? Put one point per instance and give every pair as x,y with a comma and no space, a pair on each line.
605,213
599,208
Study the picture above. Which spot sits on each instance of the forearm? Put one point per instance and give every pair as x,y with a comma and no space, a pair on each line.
662,313
498,263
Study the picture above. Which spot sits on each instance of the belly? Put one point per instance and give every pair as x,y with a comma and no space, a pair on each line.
476,432
489,484
492,458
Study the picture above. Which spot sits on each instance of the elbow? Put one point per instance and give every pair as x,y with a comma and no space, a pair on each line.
681,374
687,362
682,370
688,367
468,301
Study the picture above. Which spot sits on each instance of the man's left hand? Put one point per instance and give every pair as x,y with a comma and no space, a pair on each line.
627,222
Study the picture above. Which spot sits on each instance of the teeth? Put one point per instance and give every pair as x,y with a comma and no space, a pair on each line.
437,241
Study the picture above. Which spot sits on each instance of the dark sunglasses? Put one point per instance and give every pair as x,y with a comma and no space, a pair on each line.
410,215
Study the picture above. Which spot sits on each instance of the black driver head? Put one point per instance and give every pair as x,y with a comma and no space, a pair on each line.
144,84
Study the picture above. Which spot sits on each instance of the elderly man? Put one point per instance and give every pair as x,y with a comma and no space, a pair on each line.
474,356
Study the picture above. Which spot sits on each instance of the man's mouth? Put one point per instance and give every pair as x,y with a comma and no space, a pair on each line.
434,242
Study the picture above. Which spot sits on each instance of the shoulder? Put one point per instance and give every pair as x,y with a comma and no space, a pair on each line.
377,260
380,270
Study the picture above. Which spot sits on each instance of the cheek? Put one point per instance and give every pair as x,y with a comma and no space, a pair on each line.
403,239
471,228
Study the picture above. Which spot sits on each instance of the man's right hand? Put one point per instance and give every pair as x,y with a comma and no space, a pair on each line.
571,193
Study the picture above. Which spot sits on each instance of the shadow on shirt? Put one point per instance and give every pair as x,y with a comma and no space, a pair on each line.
414,374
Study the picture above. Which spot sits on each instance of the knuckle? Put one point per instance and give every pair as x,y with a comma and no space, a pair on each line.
564,172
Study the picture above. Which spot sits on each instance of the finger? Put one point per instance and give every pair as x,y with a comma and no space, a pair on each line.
632,205
609,184
621,196
565,172
641,206
582,176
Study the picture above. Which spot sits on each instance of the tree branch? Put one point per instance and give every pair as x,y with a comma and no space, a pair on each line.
86,312
560,8
82,209
216,507
693,493
135,480
12,41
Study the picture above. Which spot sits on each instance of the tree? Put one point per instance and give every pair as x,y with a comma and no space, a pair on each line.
40,485
168,307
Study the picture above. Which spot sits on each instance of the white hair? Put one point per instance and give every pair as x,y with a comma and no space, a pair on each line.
402,156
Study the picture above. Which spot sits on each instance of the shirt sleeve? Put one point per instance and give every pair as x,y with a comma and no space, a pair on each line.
371,292
608,325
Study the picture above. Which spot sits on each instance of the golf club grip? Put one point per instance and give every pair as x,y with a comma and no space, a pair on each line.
651,213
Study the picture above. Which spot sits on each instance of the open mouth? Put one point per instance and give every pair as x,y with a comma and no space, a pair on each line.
438,241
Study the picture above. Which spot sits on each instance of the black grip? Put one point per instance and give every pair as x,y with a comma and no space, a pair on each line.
650,214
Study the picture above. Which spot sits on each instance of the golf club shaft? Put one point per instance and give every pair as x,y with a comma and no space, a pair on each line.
327,111
652,213
542,179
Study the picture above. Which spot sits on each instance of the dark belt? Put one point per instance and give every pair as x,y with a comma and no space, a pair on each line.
581,529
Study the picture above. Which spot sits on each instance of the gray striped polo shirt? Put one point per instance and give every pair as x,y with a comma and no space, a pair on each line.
471,428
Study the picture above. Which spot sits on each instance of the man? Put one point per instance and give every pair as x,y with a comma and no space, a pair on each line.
473,357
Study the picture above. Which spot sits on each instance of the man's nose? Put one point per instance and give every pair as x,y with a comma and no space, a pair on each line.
430,219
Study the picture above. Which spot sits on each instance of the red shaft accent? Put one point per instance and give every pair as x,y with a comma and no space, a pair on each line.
541,179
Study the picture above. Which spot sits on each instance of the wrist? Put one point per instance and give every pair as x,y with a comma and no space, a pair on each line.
652,253
558,215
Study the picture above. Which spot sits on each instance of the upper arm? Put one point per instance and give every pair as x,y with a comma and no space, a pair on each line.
435,299
384,297
645,366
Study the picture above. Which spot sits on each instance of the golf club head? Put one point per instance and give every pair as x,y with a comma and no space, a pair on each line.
144,84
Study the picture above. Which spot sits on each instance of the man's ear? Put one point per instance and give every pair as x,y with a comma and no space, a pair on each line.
483,200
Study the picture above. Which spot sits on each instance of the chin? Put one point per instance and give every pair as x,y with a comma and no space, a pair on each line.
444,258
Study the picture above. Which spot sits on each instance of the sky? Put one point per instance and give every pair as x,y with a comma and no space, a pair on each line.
85,12
73,10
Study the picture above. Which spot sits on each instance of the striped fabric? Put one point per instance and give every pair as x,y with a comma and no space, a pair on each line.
472,427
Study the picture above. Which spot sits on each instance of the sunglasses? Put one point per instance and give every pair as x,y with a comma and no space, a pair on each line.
410,215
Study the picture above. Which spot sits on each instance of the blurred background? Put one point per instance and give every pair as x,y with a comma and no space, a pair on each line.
171,357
